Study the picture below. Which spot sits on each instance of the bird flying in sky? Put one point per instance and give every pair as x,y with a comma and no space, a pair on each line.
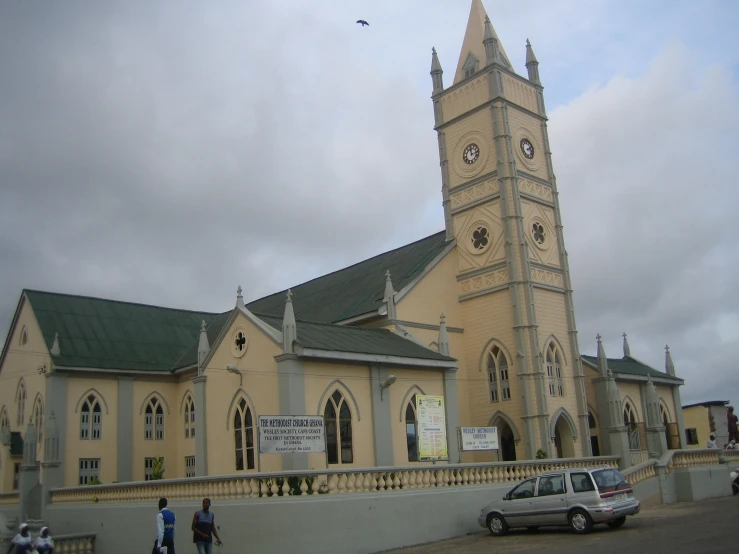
362,22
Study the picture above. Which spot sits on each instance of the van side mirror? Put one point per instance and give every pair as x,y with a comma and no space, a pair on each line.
507,496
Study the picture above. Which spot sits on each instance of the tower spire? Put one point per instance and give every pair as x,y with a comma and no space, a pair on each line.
473,48
602,360
669,366
436,73
627,350
289,326
532,64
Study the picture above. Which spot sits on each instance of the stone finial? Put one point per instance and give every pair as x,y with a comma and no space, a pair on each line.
55,349
532,64
203,348
602,360
491,43
389,297
239,298
669,366
289,326
627,350
652,401
437,73
443,341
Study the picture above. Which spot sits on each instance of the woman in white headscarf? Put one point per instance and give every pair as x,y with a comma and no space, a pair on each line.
22,541
44,543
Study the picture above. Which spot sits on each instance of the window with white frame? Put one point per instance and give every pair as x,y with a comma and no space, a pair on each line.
154,420
554,371
89,470
498,383
91,419
20,402
37,417
243,436
189,418
148,468
337,418
189,466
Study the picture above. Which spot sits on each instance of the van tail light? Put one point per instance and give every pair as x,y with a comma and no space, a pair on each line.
616,493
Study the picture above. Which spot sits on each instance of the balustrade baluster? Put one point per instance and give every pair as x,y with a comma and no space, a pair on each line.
396,481
404,477
351,482
381,482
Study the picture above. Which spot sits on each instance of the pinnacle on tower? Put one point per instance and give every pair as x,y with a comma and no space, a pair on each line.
203,347
437,78
239,298
627,350
389,297
602,360
490,41
289,326
532,64
473,57
669,366
55,349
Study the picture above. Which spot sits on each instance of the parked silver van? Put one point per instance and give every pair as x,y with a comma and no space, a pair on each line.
579,498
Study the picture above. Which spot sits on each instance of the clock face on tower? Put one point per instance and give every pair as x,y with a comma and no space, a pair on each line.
471,153
527,149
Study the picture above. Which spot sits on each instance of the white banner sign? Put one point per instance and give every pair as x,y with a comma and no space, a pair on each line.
479,438
431,419
284,434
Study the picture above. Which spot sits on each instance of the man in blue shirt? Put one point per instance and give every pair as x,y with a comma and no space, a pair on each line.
165,527
204,529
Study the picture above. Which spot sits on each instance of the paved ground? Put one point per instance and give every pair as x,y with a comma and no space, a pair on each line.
694,527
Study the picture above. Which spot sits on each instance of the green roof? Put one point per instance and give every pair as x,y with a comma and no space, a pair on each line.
631,366
357,340
16,444
357,289
108,334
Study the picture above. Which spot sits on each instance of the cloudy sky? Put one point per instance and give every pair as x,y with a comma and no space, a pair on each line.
166,152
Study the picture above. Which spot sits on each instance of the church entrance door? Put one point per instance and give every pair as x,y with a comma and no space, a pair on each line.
506,443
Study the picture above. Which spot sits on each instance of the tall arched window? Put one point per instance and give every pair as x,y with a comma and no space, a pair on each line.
630,423
37,417
20,401
554,371
244,436
411,433
189,418
4,421
91,419
338,419
154,420
497,365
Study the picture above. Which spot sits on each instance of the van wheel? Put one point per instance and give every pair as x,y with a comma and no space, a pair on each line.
497,525
616,523
580,521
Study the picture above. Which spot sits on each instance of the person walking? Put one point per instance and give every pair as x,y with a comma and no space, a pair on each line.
731,423
204,529
22,541
44,544
165,527
711,441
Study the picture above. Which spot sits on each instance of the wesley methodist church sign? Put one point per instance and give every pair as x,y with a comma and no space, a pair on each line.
286,434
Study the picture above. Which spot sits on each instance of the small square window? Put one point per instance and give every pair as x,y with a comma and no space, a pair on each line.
189,466
89,470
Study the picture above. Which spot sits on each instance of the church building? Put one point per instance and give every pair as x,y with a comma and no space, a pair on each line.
481,313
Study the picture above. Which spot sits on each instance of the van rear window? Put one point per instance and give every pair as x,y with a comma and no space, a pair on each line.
609,480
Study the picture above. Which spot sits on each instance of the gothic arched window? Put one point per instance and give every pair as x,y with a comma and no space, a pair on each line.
20,402
244,436
411,431
37,417
497,365
554,371
338,419
189,418
154,420
91,419
4,421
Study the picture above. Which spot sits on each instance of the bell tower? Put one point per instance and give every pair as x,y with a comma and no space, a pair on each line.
502,207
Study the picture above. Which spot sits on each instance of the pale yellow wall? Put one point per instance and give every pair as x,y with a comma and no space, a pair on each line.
665,396
696,418
546,253
477,128
522,124
469,258
259,370
323,378
466,97
143,448
106,390
22,361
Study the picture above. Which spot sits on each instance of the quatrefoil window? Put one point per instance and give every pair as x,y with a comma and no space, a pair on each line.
537,229
240,343
480,238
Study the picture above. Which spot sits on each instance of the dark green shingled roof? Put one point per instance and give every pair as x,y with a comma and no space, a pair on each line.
358,340
631,366
107,334
357,289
